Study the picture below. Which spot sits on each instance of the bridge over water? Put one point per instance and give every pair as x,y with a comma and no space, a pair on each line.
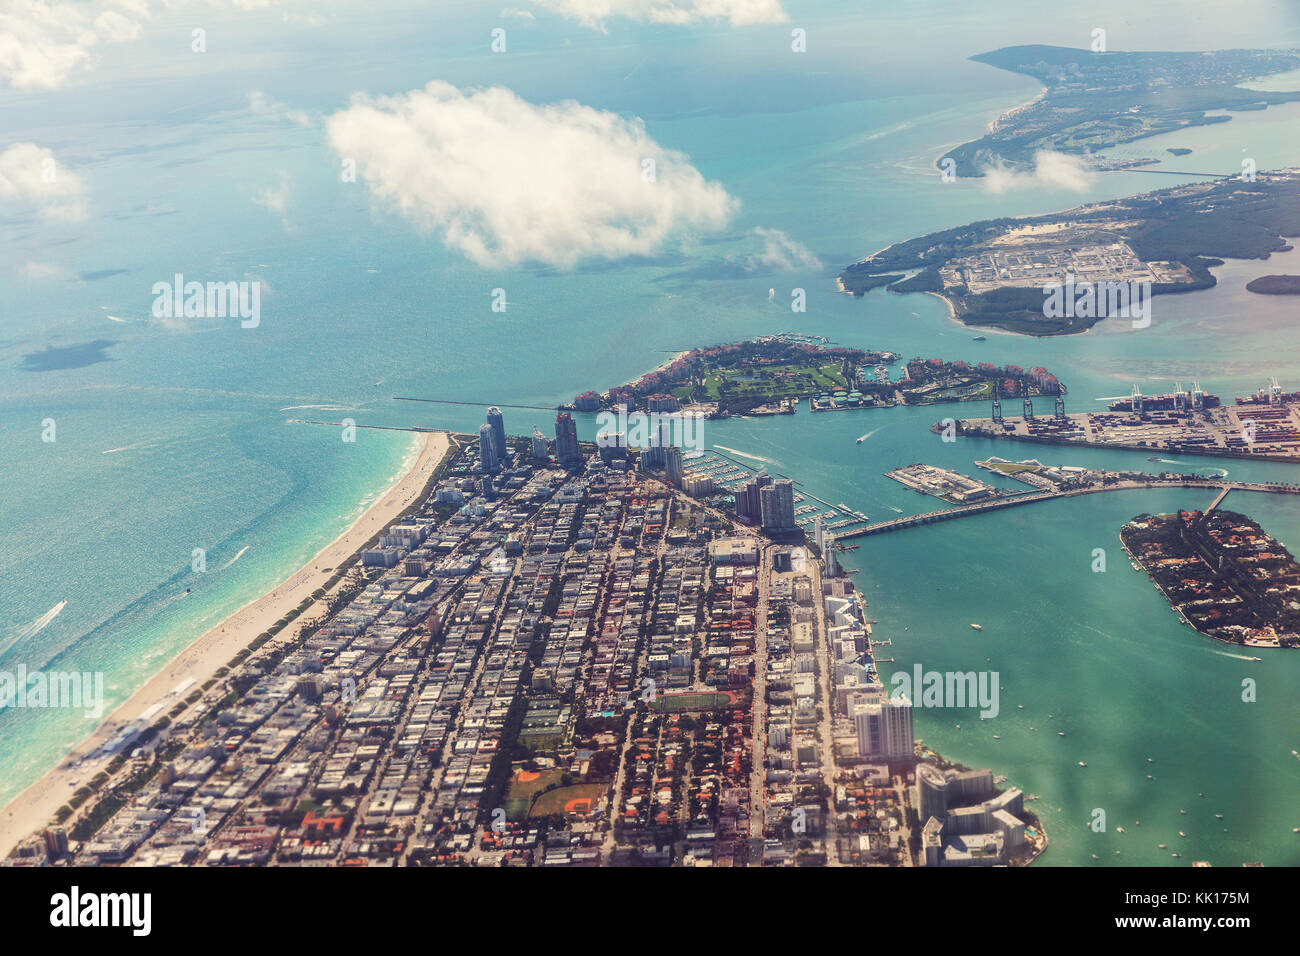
998,504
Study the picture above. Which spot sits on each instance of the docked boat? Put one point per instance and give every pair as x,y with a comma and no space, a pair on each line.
1164,846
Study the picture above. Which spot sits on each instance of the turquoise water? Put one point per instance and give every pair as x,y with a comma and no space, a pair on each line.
835,149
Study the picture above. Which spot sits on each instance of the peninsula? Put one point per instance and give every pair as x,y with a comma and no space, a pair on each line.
1095,100
1010,273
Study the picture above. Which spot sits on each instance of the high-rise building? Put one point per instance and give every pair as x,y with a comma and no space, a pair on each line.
831,557
541,451
698,486
776,506
566,440
498,424
659,439
488,459
884,729
931,792
673,465
748,503
611,445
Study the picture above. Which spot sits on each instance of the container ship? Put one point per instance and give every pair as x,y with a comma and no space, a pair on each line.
1165,403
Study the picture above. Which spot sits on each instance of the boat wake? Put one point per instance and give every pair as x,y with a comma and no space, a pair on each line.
235,558
148,442
1240,657
32,628
320,408
734,451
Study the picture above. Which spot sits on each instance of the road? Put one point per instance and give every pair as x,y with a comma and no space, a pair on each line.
947,514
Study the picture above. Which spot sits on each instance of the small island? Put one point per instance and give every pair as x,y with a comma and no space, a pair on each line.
1275,285
1178,150
765,376
771,375
1222,573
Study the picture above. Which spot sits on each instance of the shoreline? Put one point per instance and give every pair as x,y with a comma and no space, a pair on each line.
34,807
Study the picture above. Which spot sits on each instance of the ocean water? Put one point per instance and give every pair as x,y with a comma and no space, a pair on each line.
176,437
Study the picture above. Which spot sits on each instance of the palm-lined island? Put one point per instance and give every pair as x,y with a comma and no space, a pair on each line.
771,375
1222,573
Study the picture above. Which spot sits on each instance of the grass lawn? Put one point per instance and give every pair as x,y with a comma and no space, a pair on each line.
579,798
525,785
770,381
682,703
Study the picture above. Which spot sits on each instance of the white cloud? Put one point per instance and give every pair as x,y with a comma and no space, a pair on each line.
506,181
593,13
43,271
43,41
1051,169
276,199
263,105
780,253
31,179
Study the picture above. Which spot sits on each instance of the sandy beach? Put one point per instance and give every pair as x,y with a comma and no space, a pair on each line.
36,806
